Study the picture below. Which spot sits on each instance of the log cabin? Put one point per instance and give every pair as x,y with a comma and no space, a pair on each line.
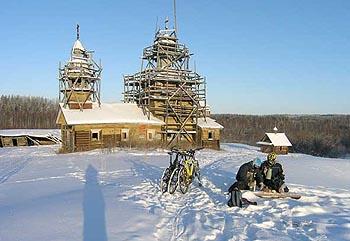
107,125
275,142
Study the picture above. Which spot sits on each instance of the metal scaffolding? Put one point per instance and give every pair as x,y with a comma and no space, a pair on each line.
80,78
168,89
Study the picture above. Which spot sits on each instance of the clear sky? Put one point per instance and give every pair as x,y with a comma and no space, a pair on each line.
258,57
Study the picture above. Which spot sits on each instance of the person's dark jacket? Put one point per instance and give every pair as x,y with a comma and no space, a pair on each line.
243,174
277,175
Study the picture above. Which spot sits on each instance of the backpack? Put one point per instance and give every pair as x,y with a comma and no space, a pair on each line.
235,199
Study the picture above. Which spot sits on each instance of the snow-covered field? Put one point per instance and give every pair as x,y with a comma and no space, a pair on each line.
98,196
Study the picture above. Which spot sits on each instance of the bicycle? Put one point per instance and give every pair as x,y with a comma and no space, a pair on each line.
166,175
173,181
188,171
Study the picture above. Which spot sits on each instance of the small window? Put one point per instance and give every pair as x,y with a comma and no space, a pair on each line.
95,135
14,142
125,134
210,135
150,134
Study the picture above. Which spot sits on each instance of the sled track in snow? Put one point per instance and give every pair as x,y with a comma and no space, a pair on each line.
10,168
181,216
202,213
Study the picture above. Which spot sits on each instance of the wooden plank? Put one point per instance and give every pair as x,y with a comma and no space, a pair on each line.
277,195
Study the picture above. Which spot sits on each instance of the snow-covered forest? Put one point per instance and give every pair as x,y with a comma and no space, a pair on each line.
102,195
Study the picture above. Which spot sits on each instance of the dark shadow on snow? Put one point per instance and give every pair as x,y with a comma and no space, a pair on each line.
148,171
93,208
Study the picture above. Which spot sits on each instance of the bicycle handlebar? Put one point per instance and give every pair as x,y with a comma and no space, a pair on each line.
191,150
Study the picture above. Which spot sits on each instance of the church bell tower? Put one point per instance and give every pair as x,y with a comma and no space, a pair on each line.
80,79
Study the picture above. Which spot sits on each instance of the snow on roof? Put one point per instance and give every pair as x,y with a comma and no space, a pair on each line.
78,45
34,137
278,139
209,123
32,132
108,113
20,135
264,143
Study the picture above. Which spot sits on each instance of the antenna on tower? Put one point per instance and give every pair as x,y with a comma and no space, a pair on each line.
78,37
175,18
166,23
156,30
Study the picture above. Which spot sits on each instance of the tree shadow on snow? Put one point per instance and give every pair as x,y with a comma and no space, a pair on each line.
94,208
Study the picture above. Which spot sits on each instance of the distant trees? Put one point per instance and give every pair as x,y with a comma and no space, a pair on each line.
27,112
319,135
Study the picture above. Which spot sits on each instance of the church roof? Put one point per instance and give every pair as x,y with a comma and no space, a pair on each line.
275,139
209,123
107,113
78,45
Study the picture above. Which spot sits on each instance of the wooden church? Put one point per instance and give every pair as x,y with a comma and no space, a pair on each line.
85,122
164,104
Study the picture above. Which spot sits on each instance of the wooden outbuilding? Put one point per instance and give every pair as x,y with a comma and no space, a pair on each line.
275,142
107,125
11,140
209,132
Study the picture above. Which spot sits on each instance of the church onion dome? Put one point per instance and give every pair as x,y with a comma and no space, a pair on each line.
79,54
80,61
78,50
78,46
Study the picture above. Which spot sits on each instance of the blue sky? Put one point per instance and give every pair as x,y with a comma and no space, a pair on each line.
258,57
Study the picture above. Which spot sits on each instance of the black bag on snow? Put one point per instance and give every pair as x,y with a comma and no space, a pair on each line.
235,199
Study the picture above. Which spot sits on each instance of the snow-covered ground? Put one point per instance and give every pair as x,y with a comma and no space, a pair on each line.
98,195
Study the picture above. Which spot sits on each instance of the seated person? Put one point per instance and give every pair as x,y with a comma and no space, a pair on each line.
248,176
273,174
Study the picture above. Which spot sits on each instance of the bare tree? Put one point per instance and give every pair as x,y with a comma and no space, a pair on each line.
321,135
27,112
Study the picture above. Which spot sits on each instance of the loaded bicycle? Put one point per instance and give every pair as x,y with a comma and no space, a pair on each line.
182,171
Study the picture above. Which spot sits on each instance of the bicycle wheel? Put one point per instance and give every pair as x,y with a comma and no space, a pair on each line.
172,184
183,182
164,180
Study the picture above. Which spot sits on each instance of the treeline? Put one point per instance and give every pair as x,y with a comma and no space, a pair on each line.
27,112
319,135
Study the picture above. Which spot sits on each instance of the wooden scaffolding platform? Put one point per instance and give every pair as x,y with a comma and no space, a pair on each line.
80,78
168,89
